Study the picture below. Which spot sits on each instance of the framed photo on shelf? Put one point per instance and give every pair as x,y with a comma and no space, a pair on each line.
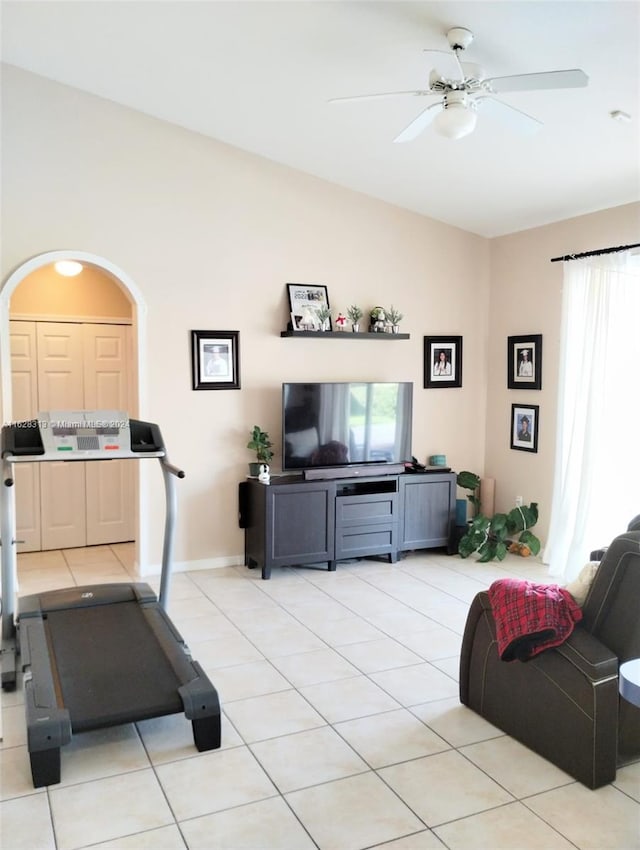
524,362
215,360
524,427
305,300
442,361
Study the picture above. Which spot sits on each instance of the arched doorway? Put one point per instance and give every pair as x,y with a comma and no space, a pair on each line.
138,335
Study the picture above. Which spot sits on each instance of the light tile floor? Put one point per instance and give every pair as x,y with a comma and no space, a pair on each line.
342,728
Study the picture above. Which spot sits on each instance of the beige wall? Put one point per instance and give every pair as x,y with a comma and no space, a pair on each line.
526,298
92,293
210,235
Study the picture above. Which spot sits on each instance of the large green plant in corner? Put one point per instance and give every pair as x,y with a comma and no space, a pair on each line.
492,537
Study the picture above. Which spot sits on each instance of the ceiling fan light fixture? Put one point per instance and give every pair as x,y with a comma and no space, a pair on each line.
455,121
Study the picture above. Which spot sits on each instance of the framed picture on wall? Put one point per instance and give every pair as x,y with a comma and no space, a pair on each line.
524,362
215,360
524,427
305,300
442,361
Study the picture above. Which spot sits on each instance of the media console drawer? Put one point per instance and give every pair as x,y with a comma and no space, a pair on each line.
367,525
361,540
365,509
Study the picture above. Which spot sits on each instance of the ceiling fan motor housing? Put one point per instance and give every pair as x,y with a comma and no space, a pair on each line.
459,38
458,99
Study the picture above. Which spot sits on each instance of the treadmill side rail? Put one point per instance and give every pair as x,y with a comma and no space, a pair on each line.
202,707
199,697
48,725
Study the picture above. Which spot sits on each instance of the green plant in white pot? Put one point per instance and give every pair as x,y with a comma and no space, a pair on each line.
355,314
394,317
324,317
261,445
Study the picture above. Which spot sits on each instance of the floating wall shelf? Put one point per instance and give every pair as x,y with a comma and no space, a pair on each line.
343,335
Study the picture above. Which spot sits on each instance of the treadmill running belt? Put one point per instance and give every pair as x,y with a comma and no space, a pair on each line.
111,667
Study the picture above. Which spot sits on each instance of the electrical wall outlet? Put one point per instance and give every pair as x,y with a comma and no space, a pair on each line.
518,501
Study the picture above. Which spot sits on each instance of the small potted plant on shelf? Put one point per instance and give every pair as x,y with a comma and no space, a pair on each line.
394,317
492,537
355,314
324,317
261,445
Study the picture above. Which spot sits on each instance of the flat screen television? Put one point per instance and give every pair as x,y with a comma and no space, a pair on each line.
342,424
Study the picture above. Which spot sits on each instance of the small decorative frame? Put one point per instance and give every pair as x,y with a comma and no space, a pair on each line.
524,362
442,361
297,323
305,300
524,427
215,360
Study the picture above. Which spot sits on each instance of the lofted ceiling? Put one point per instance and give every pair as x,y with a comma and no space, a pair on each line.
259,75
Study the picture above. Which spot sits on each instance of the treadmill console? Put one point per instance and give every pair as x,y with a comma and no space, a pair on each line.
87,431
82,435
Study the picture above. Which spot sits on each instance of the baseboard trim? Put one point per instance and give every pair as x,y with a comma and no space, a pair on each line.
195,566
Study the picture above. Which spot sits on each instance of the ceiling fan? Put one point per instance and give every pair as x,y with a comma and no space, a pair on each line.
468,92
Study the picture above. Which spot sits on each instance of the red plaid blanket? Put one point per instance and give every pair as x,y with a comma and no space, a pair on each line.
531,617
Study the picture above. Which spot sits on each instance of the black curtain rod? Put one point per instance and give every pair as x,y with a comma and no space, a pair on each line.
593,253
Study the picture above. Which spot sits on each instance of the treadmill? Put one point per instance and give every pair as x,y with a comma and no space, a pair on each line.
97,655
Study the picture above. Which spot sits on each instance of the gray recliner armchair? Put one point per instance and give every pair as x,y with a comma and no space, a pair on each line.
564,702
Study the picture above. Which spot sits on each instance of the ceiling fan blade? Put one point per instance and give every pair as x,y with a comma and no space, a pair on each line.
418,124
518,121
450,62
472,70
379,95
574,78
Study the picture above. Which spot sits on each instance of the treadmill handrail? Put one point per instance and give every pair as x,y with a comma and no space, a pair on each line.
169,472
174,470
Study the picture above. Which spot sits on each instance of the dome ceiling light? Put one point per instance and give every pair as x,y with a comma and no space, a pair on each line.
68,268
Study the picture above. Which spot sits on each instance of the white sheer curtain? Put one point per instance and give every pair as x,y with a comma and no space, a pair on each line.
595,491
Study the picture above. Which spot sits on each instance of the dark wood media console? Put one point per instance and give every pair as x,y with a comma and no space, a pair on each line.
292,521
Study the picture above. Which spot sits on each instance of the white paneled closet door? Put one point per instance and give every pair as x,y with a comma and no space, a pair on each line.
67,366
24,389
61,387
110,486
